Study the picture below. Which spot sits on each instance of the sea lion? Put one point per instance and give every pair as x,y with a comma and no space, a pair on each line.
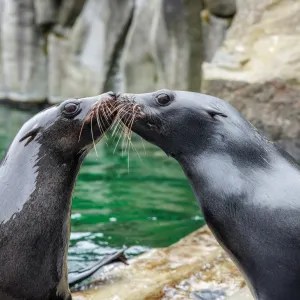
248,188
37,178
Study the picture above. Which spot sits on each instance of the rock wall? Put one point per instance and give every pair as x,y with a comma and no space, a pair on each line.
59,49
257,68
164,46
56,49
23,58
81,57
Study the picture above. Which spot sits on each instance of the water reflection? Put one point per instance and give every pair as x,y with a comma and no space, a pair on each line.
149,204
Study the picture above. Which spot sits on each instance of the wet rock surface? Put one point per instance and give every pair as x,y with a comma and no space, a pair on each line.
257,68
194,268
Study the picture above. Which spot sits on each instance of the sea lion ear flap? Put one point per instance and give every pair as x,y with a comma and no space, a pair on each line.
30,136
213,113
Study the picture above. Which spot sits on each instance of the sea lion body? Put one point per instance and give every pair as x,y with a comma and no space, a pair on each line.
37,178
247,187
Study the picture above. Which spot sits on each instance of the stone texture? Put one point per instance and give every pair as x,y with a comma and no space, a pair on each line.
264,34
258,68
45,12
194,266
221,8
138,69
69,11
214,32
164,47
23,59
70,48
80,58
59,49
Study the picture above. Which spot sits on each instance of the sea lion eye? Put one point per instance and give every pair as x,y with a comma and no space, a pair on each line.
163,99
70,109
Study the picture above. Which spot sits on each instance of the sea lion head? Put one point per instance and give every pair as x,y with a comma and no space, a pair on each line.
184,123
72,127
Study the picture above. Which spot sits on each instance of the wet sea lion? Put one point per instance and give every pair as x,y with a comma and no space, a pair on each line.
37,178
248,188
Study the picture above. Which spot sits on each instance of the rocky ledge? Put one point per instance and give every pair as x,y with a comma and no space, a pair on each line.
196,267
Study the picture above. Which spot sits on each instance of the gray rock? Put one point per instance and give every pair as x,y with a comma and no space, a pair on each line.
45,12
273,107
23,60
80,58
178,44
138,70
214,32
164,46
258,68
69,11
221,8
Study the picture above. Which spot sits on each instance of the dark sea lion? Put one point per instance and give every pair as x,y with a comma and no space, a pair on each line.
37,178
248,188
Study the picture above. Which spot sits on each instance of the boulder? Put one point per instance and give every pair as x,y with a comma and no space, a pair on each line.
68,12
257,68
23,59
164,47
221,8
214,32
192,268
81,58
45,12
138,69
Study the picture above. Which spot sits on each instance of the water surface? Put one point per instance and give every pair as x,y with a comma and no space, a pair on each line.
146,203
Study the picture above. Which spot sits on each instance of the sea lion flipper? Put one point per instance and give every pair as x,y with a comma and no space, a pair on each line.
80,275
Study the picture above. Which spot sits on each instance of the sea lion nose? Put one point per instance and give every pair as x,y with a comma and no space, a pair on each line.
112,94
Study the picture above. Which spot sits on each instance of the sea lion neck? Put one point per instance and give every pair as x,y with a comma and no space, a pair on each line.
36,167
45,185
224,171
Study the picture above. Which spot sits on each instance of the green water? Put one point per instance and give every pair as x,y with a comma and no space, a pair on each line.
146,204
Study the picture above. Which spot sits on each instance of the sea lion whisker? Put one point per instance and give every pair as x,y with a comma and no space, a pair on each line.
118,127
108,109
116,108
81,129
126,136
98,120
132,145
128,130
92,132
123,133
132,121
103,124
119,117
123,111
102,131
118,120
105,113
117,143
99,125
